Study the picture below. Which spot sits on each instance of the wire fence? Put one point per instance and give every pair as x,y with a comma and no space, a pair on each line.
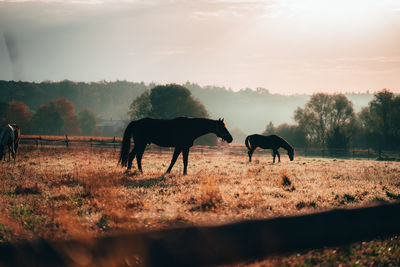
234,149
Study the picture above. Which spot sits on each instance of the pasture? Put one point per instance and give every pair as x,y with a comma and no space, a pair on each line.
79,192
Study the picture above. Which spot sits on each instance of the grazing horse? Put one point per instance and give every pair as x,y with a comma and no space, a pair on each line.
179,133
7,137
273,142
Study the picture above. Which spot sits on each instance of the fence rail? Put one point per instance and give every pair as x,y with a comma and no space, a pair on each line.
211,245
115,143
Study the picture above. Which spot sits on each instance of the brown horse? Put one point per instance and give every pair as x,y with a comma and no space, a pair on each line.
273,142
179,133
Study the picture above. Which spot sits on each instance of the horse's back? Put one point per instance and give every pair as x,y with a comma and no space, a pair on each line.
265,141
151,125
6,133
162,132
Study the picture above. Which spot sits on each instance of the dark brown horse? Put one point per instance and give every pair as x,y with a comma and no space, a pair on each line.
273,142
179,133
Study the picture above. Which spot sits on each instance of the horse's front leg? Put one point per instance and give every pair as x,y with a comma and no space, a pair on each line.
185,153
15,150
177,151
279,156
274,155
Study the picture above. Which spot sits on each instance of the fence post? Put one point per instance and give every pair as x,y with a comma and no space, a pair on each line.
66,141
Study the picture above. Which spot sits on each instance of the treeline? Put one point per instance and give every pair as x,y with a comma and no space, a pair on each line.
329,121
55,118
107,99
245,110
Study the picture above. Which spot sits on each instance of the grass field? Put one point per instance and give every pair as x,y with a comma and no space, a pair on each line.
60,193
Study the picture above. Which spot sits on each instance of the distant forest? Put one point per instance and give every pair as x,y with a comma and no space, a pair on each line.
247,111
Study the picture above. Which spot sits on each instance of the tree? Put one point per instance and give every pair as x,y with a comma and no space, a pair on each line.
18,112
173,100
270,129
88,123
338,139
47,120
3,113
140,106
380,120
58,118
67,112
342,111
322,114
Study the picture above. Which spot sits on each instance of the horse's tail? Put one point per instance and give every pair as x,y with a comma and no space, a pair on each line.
247,143
126,144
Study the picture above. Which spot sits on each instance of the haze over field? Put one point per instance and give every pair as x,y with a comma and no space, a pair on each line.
285,46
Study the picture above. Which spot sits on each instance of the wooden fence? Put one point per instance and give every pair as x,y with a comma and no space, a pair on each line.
115,143
67,141
211,245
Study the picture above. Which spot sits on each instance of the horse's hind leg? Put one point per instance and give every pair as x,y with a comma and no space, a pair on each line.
131,157
274,155
177,151
279,156
9,153
250,153
139,155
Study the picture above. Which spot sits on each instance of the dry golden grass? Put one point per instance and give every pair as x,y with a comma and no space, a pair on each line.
61,193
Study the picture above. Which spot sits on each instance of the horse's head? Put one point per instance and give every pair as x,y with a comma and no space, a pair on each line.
291,154
222,132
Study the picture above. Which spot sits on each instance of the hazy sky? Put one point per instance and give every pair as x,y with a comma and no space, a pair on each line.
286,46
